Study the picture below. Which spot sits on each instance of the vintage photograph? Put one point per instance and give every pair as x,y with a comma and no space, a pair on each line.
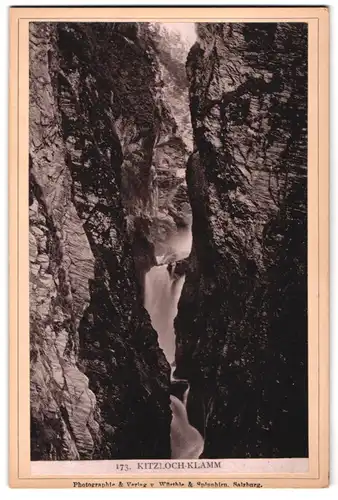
168,240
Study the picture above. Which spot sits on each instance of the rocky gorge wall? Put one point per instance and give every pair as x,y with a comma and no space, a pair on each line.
241,329
99,381
110,140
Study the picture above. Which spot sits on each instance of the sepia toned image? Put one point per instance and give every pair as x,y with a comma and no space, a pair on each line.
168,298
169,303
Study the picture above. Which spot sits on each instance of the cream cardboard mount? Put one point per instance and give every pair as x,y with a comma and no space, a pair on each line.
169,239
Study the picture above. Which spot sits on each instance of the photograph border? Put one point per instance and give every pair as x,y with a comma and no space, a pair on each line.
317,19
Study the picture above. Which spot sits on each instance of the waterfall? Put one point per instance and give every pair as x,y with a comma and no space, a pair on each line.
162,292
164,282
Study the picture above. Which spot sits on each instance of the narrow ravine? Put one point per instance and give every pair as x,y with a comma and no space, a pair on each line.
107,196
163,283
135,129
163,287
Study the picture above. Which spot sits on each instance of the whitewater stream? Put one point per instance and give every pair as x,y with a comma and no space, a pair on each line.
162,292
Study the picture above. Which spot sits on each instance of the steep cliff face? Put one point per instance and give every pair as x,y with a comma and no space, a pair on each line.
173,142
242,320
99,381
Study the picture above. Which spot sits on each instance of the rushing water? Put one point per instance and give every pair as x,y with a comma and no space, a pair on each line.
162,292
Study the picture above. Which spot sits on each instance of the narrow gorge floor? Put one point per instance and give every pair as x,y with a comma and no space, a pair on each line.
163,289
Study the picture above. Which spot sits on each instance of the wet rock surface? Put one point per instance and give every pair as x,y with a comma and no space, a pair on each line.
242,318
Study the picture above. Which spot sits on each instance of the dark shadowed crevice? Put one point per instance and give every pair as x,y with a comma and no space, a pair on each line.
244,350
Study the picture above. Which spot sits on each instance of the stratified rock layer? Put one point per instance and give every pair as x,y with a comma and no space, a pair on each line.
99,381
242,320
